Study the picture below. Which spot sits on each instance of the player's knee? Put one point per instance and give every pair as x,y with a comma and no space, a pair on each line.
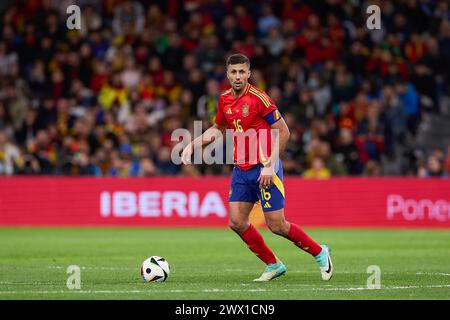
278,227
238,226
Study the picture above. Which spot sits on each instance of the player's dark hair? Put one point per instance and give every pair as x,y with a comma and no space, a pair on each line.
238,58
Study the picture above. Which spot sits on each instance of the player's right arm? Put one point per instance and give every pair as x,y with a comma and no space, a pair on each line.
210,135
206,138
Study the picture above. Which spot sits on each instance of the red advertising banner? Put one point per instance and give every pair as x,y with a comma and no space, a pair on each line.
168,201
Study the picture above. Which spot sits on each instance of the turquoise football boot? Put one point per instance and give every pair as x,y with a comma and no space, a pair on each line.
325,264
272,271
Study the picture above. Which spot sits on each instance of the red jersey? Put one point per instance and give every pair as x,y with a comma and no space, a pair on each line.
245,115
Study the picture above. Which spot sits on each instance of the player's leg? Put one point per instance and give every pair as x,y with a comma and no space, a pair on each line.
241,201
277,223
239,212
272,201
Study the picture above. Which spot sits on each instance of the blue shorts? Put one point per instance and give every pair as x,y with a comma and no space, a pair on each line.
245,188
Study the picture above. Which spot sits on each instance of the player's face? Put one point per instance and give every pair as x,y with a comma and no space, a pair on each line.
238,75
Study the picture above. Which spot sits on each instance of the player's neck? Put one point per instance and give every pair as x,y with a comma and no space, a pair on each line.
239,93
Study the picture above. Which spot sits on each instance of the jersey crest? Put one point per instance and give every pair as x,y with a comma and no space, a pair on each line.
245,110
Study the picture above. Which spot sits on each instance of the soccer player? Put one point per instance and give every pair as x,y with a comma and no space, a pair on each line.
244,108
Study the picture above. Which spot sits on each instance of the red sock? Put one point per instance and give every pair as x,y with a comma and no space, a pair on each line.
256,244
303,241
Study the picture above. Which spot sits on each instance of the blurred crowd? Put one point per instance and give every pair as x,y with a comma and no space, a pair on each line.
103,100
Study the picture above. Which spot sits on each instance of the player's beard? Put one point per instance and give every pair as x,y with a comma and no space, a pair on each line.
239,90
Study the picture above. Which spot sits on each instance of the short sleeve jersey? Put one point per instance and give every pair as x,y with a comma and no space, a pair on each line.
248,117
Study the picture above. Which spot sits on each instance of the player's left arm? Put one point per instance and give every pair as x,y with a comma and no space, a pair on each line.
280,137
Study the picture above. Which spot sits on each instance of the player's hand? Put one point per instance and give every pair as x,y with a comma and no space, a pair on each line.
186,154
266,178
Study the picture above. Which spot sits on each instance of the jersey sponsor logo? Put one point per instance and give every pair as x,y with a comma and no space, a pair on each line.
229,111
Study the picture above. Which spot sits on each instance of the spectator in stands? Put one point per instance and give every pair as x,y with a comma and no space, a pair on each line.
347,152
267,21
335,166
433,168
207,104
91,20
392,118
304,109
447,161
410,100
163,163
4,117
274,41
9,155
372,169
81,165
147,168
318,170
129,19
370,145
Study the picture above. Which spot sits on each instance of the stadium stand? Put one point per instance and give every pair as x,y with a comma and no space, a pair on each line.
103,100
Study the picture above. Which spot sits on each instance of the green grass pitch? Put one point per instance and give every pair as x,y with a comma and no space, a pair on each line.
216,264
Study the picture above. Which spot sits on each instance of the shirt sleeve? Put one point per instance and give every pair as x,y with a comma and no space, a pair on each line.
267,108
220,117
